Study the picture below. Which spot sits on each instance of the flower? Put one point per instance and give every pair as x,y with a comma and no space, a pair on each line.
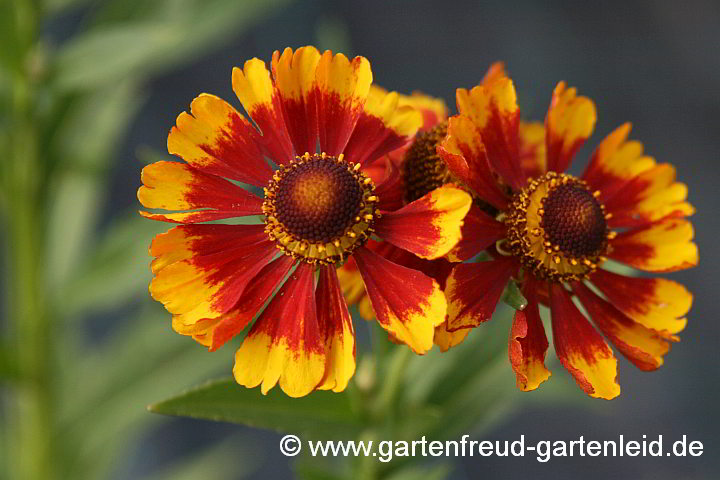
421,171
401,165
319,209
552,231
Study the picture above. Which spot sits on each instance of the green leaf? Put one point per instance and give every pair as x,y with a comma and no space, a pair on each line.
116,269
322,413
106,55
85,146
105,390
435,377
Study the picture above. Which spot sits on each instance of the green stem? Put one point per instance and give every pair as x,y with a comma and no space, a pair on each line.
30,420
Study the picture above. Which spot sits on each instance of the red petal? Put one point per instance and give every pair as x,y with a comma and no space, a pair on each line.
580,348
285,345
179,186
340,91
391,190
251,301
467,159
407,303
474,289
664,246
430,226
336,326
258,94
657,303
218,140
644,347
294,75
201,270
479,231
569,122
528,343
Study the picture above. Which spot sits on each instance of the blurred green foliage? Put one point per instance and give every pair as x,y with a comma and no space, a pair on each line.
65,108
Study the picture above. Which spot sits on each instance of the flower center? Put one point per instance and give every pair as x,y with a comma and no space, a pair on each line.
557,228
423,169
574,220
319,208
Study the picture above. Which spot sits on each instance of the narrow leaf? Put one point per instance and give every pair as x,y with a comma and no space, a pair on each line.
321,413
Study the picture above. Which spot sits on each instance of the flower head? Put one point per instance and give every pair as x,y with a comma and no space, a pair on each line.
416,170
553,232
319,209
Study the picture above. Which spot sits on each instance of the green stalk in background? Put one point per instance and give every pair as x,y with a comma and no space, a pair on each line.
74,407
30,415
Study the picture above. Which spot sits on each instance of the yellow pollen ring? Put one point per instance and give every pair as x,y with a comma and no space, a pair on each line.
319,208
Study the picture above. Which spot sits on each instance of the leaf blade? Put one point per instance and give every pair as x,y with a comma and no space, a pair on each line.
322,413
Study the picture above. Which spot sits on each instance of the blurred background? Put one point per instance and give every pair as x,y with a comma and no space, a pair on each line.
88,92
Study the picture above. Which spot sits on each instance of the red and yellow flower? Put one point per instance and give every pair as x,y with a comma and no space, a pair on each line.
551,232
424,177
318,209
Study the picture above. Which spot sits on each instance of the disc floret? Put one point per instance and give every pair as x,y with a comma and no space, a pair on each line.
557,228
423,170
319,208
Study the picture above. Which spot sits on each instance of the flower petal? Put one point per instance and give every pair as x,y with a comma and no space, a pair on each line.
257,93
383,126
650,196
467,159
656,303
353,288
285,345
336,326
434,110
473,291
340,90
664,246
178,186
581,349
569,122
615,162
430,226
644,347
294,75
201,270
407,303
479,231
528,343
492,107
250,303
390,189
217,140
532,152
445,339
